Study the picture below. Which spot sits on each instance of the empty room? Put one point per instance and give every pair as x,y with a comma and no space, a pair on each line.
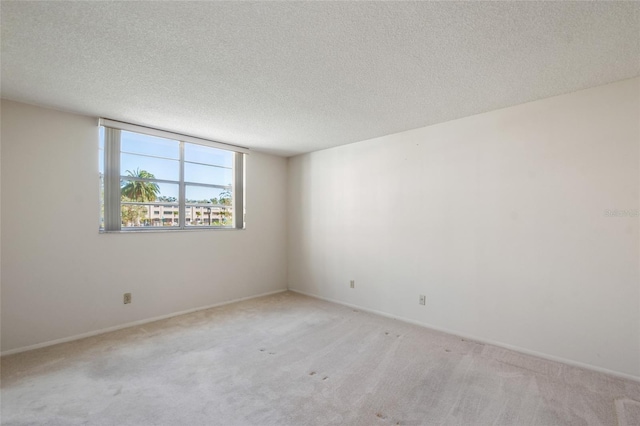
320,213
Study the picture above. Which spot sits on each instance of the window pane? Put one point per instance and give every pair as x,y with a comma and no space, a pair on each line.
216,214
147,192
134,215
168,193
150,213
208,216
149,145
164,215
204,195
207,174
207,155
140,208
140,215
149,167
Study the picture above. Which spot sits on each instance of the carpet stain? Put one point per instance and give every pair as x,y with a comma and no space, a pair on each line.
325,377
381,416
312,373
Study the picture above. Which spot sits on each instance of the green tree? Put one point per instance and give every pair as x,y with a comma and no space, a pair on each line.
132,213
136,190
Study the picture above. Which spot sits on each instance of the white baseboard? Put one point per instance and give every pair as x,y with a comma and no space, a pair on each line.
479,339
131,324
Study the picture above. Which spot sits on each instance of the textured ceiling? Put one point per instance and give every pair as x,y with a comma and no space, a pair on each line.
294,77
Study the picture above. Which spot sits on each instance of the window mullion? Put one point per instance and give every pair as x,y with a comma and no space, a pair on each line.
182,191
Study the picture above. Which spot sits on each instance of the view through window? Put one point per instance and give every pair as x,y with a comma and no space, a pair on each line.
150,183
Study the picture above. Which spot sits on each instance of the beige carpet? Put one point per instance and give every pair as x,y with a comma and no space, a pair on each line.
288,359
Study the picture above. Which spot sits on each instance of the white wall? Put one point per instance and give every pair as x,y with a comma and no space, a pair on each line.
497,218
60,277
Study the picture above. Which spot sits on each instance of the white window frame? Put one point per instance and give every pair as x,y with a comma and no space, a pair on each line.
113,177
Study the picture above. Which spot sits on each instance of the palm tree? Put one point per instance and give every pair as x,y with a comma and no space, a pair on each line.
141,191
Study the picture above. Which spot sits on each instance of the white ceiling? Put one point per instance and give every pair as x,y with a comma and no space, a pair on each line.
293,77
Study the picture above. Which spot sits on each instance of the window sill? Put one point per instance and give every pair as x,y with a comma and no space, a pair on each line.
162,231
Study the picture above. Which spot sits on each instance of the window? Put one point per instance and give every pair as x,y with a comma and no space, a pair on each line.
196,183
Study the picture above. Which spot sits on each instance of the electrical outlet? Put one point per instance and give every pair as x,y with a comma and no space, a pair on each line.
423,299
127,298
352,284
